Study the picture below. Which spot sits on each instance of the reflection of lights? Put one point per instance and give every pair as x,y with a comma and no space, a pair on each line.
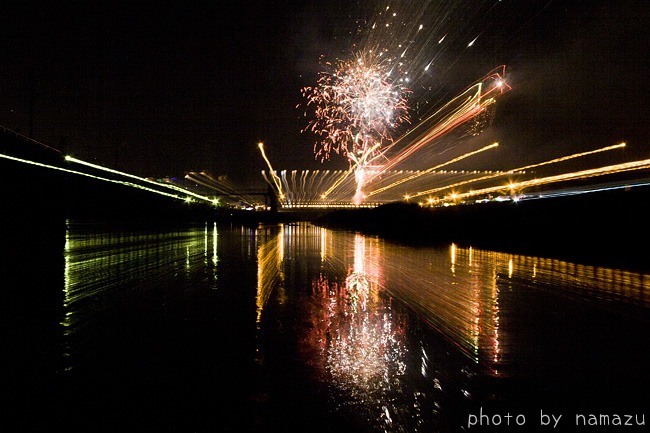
357,285
359,254
356,335
323,245
215,258
363,351
269,264
465,302
103,267
453,258
366,349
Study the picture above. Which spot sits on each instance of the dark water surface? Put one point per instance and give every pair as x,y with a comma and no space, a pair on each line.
295,328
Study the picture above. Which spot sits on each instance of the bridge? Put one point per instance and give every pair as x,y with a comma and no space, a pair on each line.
43,188
41,180
41,177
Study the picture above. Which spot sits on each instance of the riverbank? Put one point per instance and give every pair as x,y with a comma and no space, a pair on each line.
602,228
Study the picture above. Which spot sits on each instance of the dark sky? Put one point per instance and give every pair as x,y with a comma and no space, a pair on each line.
163,88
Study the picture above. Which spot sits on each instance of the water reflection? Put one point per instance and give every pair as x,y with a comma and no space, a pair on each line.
270,254
363,340
106,268
509,317
401,338
468,294
355,338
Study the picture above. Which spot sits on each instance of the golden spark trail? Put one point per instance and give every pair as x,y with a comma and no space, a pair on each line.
473,101
527,167
208,181
429,170
339,181
274,176
467,110
584,174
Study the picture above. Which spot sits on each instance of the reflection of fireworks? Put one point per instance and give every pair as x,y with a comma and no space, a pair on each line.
357,285
363,350
356,338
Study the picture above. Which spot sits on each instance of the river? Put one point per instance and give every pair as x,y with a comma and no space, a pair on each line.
296,328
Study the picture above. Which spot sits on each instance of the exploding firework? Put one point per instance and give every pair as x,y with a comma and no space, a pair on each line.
356,108
391,109
395,78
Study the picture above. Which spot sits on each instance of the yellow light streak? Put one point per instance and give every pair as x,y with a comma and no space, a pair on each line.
53,167
583,174
519,169
274,177
142,179
429,170
339,180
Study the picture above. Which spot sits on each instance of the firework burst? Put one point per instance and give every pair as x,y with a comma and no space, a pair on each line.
356,108
401,71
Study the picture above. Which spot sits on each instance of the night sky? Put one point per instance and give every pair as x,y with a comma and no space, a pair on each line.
163,88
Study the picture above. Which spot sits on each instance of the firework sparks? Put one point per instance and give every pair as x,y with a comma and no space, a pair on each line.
276,181
360,105
522,169
357,129
356,107
387,110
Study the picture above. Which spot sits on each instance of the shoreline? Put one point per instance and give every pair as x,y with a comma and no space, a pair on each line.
603,229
